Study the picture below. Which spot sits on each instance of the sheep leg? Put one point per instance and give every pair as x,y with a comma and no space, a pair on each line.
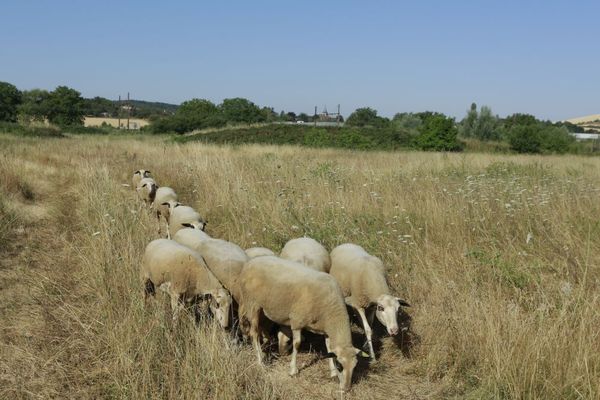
176,306
368,331
255,334
297,338
158,219
333,372
168,231
283,339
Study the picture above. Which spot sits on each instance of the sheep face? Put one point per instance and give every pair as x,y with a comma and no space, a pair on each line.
220,306
200,225
345,361
387,311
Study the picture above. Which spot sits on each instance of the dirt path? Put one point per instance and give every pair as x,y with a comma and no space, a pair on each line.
36,351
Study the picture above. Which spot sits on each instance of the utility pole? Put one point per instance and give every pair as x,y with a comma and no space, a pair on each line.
119,113
128,110
338,116
315,116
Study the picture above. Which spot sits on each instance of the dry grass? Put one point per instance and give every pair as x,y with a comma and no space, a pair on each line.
494,315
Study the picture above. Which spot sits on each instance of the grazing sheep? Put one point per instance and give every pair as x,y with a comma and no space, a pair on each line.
258,252
300,298
223,258
190,237
184,276
146,190
138,176
161,203
184,217
307,251
362,279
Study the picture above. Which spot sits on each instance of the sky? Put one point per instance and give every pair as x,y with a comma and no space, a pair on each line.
537,57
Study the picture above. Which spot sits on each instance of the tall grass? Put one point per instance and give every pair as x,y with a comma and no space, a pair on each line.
499,256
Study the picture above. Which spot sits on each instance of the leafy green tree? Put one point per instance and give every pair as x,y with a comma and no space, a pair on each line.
10,98
269,114
34,106
482,125
467,125
65,107
239,110
100,106
406,121
364,116
438,133
556,139
525,138
303,117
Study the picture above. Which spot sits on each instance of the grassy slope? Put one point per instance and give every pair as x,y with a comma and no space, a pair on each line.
493,315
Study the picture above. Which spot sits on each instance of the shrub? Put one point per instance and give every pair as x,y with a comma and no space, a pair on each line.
438,132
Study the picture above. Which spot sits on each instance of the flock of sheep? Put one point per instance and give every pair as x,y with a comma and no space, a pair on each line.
305,287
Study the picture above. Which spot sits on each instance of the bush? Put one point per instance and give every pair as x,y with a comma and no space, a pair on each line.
525,138
25,130
438,133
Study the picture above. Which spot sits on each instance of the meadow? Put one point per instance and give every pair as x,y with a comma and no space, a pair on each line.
499,256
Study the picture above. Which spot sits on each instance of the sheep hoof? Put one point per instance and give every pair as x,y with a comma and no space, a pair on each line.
294,372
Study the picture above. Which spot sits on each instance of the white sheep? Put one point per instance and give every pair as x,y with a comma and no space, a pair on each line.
258,252
146,190
361,277
184,217
223,258
138,176
292,295
184,276
190,237
307,251
163,196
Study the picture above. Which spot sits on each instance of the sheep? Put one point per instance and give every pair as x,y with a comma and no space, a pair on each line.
258,252
184,217
190,237
300,298
362,279
138,176
223,258
307,251
146,190
161,201
184,276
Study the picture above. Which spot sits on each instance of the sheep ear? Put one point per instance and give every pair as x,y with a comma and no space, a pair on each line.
330,355
165,204
147,172
402,302
136,172
188,225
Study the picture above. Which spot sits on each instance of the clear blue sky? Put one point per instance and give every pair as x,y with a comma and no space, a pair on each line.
539,57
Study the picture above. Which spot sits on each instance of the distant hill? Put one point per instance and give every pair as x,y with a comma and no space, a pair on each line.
154,106
590,123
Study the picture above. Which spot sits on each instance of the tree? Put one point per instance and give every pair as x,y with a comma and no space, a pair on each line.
366,116
303,117
438,132
34,106
65,107
486,126
362,117
406,121
99,106
10,98
467,125
525,138
239,110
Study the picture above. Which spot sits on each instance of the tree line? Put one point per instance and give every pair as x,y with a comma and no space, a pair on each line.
522,133
427,130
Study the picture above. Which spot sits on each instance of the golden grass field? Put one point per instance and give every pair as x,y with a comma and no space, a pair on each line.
495,315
